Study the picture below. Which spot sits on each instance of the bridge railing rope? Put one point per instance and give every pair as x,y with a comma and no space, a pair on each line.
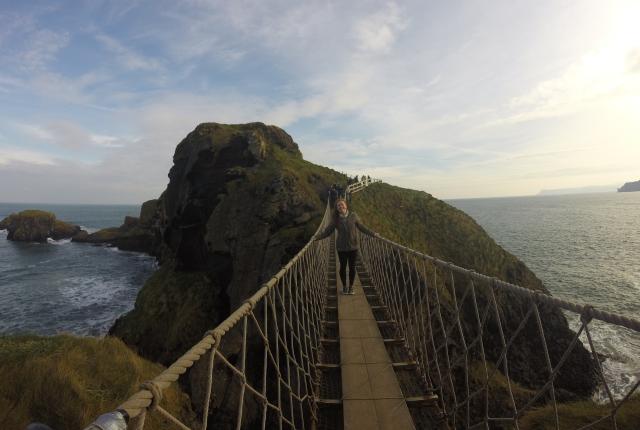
455,325
260,361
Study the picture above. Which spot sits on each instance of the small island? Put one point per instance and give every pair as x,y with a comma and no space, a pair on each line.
630,187
135,234
37,226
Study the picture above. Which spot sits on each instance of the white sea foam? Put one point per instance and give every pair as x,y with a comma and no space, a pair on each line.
620,367
83,291
58,242
89,229
635,281
621,377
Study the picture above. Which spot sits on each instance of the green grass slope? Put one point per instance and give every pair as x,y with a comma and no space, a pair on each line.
420,221
579,414
66,382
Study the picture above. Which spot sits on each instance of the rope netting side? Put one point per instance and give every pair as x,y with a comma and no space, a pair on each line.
491,351
260,361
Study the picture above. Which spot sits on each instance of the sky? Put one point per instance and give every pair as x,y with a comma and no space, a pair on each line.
461,99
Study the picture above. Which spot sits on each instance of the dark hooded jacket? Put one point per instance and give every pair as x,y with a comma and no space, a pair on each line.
348,239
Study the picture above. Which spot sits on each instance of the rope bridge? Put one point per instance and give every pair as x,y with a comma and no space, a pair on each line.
263,363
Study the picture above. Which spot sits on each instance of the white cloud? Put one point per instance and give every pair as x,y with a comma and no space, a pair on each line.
130,59
67,134
595,76
16,155
42,47
26,45
633,60
377,32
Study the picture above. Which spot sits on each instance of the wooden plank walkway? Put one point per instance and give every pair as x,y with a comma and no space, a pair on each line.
371,395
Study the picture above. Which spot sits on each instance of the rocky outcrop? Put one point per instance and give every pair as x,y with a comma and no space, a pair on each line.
240,202
630,187
37,226
135,234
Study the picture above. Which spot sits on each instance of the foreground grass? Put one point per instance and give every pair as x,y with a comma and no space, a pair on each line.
578,414
67,381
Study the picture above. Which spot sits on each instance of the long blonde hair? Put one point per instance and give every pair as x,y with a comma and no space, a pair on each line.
336,216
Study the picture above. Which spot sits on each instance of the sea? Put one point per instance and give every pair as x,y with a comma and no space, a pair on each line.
67,287
586,249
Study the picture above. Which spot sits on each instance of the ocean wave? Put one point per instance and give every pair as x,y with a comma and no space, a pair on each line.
89,230
85,291
620,366
620,377
58,242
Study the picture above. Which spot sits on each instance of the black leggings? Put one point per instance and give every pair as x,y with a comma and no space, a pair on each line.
347,257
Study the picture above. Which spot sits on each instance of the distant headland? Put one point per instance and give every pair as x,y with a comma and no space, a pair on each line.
629,187
579,190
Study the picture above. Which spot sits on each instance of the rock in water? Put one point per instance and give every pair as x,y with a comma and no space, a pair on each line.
135,234
630,187
36,226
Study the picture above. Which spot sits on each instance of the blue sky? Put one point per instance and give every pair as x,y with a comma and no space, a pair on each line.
454,98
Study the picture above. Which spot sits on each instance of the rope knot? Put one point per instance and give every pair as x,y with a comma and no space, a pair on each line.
250,302
216,334
155,391
587,314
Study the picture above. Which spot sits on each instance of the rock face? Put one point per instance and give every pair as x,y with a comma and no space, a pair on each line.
240,202
135,234
37,226
630,187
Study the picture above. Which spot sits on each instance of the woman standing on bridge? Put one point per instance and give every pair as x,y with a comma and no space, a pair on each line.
347,242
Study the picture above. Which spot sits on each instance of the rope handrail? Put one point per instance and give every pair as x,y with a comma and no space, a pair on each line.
284,333
595,313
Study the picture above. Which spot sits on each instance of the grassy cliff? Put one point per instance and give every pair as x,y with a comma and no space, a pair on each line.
576,415
67,382
424,223
418,220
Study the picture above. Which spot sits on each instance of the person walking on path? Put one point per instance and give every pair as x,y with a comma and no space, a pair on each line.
333,195
347,243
